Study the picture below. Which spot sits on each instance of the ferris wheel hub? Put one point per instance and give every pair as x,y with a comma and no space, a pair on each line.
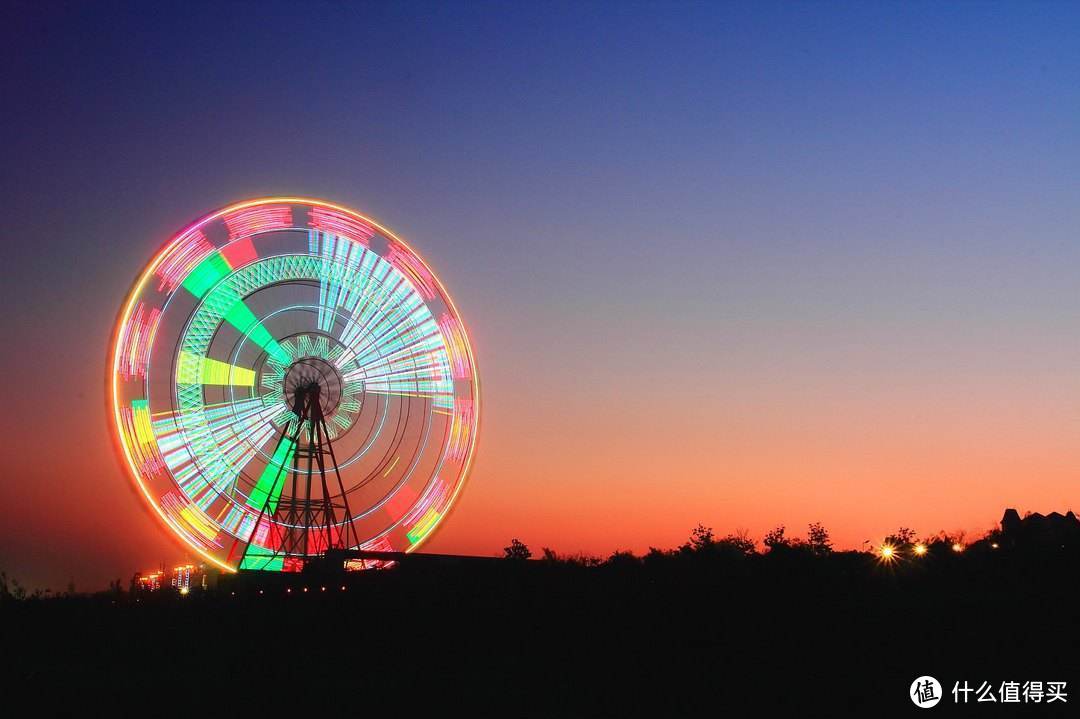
307,373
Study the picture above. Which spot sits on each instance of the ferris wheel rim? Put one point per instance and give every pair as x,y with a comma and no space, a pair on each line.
148,271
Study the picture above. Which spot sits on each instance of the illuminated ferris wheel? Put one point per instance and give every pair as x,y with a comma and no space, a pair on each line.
287,377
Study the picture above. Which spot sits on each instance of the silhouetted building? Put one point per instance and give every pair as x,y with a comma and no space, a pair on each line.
1050,530
1011,522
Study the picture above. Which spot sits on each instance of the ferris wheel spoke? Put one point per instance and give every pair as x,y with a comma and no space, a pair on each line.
388,335
377,294
193,369
268,488
338,278
399,349
410,363
381,318
418,380
222,300
226,437
245,322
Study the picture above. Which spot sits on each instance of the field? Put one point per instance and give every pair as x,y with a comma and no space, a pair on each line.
696,634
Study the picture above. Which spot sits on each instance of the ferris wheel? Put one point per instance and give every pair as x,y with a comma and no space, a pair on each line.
287,378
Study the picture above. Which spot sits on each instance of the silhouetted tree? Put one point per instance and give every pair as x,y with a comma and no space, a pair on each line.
549,555
581,560
902,541
656,557
701,537
703,543
622,559
774,539
740,543
902,536
517,550
994,536
817,539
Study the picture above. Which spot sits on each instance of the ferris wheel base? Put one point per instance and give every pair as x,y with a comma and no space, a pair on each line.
340,564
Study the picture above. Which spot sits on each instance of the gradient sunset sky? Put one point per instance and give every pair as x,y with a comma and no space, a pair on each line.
743,264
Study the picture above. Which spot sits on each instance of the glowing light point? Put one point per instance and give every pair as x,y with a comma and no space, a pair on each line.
920,549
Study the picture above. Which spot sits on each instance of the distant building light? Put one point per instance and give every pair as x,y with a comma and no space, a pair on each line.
993,545
957,547
920,549
150,582
887,552
184,591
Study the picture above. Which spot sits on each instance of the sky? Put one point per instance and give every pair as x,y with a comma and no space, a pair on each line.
740,264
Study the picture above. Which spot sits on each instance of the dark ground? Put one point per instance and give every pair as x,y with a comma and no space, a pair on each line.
710,636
